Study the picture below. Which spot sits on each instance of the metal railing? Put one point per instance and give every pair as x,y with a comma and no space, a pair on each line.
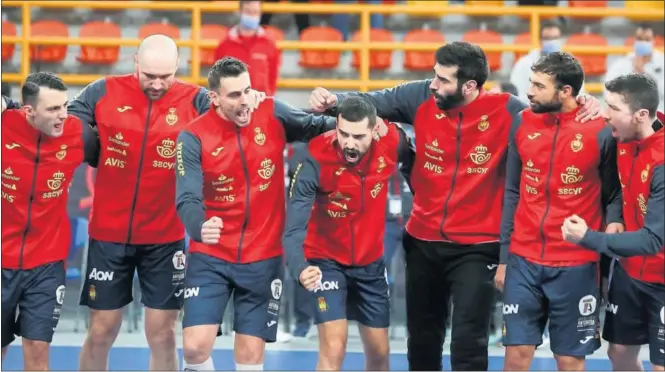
364,46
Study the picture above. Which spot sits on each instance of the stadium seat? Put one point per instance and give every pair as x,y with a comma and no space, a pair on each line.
659,42
48,53
484,2
421,61
593,65
274,33
320,59
99,55
163,28
215,33
484,36
8,29
587,3
379,60
521,39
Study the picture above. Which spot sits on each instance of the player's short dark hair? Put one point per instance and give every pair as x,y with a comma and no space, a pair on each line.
469,59
639,91
644,26
223,68
37,80
355,109
565,69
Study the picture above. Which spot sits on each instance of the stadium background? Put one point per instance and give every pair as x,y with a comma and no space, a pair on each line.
597,32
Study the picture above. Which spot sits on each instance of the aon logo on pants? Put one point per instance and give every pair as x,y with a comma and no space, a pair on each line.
100,276
191,292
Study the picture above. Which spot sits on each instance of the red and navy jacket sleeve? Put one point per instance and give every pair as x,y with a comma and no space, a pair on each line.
609,176
302,195
83,106
646,241
511,194
201,101
397,104
406,155
91,145
299,125
189,184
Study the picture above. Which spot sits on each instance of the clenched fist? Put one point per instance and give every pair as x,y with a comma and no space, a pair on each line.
321,100
212,230
255,98
310,277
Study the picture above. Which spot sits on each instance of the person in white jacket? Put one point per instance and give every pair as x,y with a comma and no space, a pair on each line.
644,59
550,41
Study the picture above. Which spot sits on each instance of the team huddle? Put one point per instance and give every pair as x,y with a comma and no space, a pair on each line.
536,200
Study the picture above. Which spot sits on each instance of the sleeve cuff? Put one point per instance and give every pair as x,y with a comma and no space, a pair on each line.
591,239
503,254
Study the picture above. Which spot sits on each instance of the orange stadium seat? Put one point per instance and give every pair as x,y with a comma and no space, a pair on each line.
593,65
163,28
274,33
215,33
485,2
522,39
421,61
659,41
319,59
486,37
8,29
587,3
379,60
96,55
49,53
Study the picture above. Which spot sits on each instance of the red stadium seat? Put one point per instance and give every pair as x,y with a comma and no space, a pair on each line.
379,60
593,65
421,61
99,55
162,28
215,33
8,29
320,59
48,53
486,37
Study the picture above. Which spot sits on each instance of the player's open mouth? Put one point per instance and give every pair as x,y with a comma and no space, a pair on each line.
58,127
243,115
351,156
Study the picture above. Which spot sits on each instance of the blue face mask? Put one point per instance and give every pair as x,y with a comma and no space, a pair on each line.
550,46
249,22
643,48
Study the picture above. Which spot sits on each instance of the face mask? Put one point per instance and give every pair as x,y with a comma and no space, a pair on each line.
249,22
643,48
550,46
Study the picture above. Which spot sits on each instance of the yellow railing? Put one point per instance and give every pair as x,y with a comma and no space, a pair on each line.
364,46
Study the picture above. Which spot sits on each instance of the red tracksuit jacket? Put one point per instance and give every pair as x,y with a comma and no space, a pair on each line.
36,173
459,172
336,211
557,167
237,174
260,54
135,182
643,183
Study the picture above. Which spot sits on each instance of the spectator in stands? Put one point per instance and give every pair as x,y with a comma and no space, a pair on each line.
249,43
550,41
341,21
302,19
644,59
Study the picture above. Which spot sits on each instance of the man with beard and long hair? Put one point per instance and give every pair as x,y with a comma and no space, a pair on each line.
556,167
452,238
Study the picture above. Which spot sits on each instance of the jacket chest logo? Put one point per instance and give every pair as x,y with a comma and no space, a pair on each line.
480,156
382,164
484,123
572,175
576,145
166,149
62,153
56,182
642,203
267,169
644,175
171,117
11,146
376,189
259,137
622,152
533,136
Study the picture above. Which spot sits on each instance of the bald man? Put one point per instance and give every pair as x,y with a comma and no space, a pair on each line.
133,224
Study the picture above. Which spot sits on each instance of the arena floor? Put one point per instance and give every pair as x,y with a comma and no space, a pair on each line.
130,353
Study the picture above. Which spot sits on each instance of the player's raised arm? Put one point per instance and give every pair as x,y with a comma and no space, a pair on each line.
189,184
299,125
85,104
398,104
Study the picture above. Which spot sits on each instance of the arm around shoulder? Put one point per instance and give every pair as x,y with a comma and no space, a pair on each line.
189,184
84,105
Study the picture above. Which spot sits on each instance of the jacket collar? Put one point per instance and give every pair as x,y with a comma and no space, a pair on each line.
234,33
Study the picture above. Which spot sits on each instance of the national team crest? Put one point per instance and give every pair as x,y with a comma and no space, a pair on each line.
171,117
